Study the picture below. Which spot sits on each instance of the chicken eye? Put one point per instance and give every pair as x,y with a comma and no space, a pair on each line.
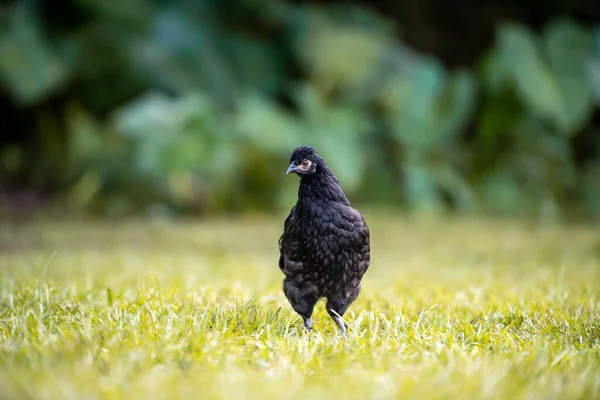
305,163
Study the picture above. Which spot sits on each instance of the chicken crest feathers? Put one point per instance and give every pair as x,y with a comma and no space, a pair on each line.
301,152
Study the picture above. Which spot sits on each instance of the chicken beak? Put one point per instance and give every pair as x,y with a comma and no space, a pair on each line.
291,168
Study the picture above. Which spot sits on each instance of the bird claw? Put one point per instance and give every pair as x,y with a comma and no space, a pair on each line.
345,333
341,325
307,325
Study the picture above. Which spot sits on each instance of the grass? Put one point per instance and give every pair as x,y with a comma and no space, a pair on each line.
449,309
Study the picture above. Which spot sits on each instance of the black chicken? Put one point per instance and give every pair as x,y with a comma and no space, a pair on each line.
324,249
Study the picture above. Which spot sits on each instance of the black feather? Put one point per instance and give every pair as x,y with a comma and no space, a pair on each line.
324,248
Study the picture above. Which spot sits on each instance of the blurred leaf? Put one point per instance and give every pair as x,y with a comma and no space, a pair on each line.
338,131
496,74
551,79
11,157
501,113
257,64
184,187
86,137
151,122
569,49
428,110
119,12
537,171
413,96
594,72
181,145
310,101
455,105
502,194
591,188
150,115
454,183
534,80
29,66
183,54
542,158
420,188
84,191
325,47
179,134
593,65
345,156
265,125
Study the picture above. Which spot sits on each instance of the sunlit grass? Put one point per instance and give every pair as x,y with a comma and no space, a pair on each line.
449,309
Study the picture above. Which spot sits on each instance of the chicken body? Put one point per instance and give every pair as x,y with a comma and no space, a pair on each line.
324,249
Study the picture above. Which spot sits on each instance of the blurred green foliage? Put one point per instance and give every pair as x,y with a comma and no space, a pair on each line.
194,106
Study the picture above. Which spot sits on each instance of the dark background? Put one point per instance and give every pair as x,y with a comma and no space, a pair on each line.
191,107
